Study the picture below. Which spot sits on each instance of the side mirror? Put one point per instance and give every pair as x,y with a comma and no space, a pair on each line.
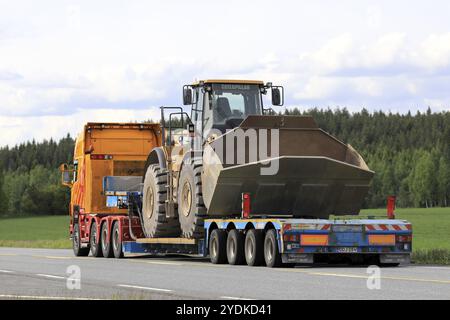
277,96
66,175
187,96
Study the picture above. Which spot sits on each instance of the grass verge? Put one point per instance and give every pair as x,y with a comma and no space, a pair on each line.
35,232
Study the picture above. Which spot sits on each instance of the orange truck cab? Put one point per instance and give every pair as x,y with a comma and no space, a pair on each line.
104,152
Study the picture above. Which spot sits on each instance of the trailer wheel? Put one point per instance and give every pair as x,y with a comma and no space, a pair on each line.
105,239
254,247
116,240
235,247
96,251
217,246
76,243
271,252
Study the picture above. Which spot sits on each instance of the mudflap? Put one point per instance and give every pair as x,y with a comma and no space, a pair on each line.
395,258
297,258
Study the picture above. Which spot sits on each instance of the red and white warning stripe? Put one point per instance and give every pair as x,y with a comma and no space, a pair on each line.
388,227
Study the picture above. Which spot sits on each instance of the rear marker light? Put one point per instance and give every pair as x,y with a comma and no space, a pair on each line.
407,238
101,157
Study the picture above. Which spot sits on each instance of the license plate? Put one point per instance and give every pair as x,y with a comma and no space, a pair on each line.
347,250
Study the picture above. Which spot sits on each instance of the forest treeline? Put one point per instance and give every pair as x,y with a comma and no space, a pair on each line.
409,153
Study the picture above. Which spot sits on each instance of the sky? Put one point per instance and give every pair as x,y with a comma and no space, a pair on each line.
63,63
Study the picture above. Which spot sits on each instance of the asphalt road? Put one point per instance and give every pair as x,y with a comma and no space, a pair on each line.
43,274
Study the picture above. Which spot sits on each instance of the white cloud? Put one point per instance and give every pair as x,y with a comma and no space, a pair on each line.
68,62
45,127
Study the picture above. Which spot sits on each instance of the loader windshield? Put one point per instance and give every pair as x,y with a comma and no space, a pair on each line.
232,103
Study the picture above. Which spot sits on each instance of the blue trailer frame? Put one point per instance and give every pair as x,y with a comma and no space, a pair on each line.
304,240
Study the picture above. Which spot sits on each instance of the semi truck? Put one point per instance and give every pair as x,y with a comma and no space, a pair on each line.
232,181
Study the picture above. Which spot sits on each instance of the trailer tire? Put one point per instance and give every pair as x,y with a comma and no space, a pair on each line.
96,250
105,240
254,248
235,247
116,240
218,246
76,243
272,255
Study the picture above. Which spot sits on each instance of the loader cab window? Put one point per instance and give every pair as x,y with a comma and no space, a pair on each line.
232,103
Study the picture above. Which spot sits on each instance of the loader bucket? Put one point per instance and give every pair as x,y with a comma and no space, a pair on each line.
317,175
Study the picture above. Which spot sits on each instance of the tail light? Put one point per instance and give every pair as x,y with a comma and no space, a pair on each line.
291,238
101,157
404,238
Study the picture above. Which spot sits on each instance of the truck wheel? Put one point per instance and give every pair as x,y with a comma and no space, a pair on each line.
105,240
217,246
254,247
76,243
191,209
155,224
235,247
96,251
116,241
271,252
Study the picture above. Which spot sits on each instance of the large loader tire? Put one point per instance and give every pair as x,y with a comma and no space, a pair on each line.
191,209
155,223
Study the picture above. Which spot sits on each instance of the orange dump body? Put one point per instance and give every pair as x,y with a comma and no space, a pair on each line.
109,149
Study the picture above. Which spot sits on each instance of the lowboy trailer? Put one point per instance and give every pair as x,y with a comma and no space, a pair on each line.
257,241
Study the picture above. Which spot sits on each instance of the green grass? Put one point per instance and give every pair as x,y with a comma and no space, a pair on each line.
431,227
431,232
35,232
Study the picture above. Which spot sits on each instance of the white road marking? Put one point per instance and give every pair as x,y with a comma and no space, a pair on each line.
439,268
143,288
6,271
337,275
164,263
49,276
382,277
57,257
14,296
235,298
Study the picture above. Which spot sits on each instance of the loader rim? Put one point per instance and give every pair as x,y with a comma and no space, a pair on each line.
151,201
186,200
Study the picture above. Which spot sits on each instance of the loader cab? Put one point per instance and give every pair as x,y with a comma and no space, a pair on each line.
223,104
